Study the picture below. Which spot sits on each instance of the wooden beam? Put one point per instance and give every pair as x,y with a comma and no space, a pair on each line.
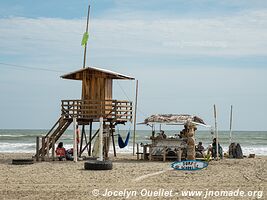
47,147
53,149
90,138
37,148
43,148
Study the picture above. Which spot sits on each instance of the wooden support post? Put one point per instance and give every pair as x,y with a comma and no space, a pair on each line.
90,139
137,148
113,140
144,152
75,159
150,153
47,147
43,148
37,148
53,148
106,142
164,153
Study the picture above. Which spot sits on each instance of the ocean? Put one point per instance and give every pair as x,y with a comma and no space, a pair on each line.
24,140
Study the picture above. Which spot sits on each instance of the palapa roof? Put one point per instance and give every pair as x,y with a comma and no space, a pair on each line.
173,119
78,74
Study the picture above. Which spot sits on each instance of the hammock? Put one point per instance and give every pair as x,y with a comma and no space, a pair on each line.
125,143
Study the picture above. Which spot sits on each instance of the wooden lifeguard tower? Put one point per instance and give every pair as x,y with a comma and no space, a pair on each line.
96,101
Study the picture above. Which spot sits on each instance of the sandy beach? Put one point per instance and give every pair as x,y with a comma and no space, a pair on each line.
131,179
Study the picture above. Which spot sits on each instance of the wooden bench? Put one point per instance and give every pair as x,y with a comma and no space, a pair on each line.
145,155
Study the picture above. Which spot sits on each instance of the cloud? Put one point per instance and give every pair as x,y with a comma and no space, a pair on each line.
55,43
243,34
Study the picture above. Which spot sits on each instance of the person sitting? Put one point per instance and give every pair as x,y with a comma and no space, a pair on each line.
200,150
183,132
214,149
61,152
69,154
161,135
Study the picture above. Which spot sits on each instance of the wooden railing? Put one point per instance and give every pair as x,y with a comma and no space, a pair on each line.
94,109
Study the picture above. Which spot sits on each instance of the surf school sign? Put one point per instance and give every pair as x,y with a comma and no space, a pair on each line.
189,165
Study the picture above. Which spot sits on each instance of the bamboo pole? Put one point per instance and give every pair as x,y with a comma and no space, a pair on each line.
216,130
135,111
231,122
75,140
37,148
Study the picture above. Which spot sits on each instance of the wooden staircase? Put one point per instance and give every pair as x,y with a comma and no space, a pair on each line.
55,133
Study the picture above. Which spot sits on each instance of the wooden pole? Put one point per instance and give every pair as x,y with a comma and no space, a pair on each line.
137,147
85,47
113,139
43,148
135,111
37,148
53,148
84,60
47,147
231,122
101,139
75,140
217,134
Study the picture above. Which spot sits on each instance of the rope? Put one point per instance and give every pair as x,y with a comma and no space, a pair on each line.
138,110
31,68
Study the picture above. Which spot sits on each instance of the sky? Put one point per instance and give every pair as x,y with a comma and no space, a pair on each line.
187,55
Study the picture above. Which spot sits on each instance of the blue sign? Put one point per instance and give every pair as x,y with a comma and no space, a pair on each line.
189,165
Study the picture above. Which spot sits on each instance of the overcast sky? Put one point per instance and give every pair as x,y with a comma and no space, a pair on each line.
186,54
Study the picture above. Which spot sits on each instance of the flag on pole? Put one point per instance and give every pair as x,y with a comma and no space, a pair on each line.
85,39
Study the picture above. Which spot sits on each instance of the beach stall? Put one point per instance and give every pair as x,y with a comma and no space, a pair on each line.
179,146
96,102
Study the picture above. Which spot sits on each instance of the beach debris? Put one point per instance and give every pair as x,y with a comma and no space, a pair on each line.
173,118
98,165
251,155
22,161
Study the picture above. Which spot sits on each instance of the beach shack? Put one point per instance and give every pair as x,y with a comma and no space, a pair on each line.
96,101
179,146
